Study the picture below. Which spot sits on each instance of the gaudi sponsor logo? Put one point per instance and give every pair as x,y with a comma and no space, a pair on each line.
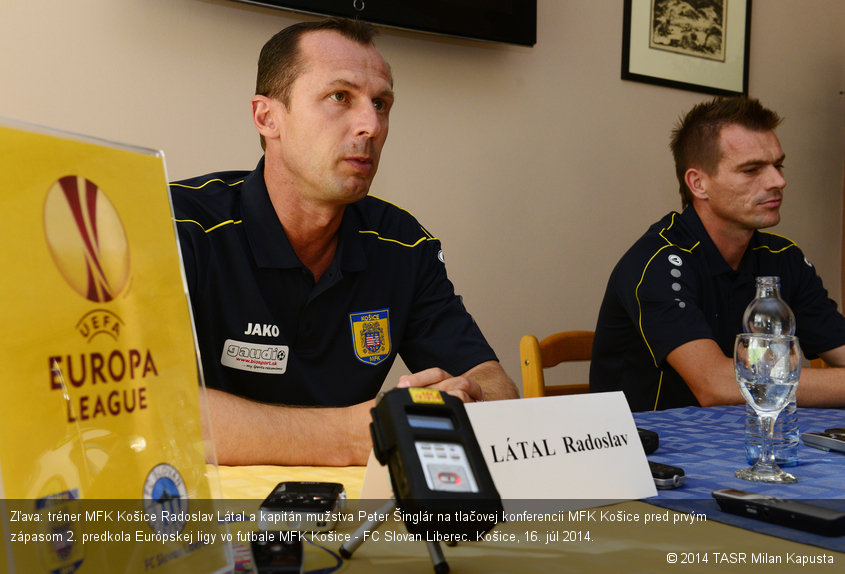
90,249
245,356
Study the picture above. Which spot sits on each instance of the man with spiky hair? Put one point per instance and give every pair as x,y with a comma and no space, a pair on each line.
674,302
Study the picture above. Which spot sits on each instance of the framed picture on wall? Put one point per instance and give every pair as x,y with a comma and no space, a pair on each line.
698,45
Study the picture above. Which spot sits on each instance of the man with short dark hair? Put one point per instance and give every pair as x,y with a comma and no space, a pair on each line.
304,289
674,302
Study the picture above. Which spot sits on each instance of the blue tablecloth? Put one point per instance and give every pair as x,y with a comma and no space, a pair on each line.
708,443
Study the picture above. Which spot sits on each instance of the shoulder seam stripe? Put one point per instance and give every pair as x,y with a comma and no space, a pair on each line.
210,229
639,306
782,249
769,249
424,230
670,243
427,237
637,295
206,183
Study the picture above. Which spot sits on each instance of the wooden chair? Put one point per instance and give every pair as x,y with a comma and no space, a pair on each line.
537,355
818,363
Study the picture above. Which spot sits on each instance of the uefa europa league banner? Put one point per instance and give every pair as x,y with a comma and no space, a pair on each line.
102,459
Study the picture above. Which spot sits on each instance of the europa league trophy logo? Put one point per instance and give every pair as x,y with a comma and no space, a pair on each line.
86,238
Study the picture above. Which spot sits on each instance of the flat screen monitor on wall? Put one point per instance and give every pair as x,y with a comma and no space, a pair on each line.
509,21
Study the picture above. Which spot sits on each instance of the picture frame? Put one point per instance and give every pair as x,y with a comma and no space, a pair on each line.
699,45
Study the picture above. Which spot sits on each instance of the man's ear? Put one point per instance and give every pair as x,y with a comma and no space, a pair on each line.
696,181
263,116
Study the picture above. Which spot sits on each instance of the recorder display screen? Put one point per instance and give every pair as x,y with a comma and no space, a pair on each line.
430,422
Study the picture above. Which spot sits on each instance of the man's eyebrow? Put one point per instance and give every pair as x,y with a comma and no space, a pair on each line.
342,83
759,162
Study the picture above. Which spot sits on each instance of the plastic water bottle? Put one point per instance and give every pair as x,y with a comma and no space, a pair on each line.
769,313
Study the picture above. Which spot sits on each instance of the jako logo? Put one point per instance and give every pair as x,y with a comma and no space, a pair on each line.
86,238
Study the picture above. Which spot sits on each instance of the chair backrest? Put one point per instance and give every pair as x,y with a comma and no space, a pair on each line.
536,355
818,363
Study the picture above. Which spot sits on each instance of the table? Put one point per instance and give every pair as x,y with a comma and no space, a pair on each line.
617,547
708,444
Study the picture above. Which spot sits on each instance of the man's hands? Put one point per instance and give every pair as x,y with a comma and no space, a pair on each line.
484,382
461,387
247,432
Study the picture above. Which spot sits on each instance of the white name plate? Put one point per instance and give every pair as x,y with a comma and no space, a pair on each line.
578,450
552,453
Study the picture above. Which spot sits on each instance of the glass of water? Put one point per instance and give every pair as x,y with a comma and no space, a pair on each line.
767,370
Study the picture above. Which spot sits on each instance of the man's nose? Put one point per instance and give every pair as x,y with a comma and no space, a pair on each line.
775,177
368,121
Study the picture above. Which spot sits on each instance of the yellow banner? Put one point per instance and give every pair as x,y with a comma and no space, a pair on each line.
99,403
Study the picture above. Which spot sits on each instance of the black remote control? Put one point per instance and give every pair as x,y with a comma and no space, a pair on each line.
790,513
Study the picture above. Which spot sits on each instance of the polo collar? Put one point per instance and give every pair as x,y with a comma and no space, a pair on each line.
267,239
715,262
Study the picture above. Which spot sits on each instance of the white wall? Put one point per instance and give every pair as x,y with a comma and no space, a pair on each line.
536,166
